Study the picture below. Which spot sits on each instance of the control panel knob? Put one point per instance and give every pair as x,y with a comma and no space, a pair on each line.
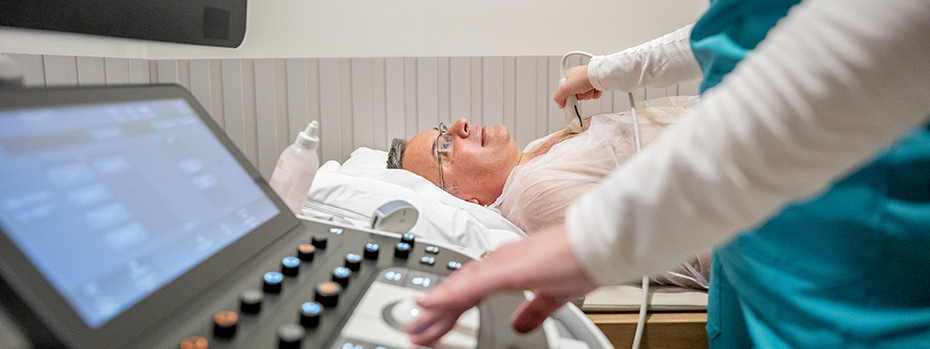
305,252
318,241
250,301
327,293
194,343
289,336
371,251
402,250
272,282
341,276
290,266
224,324
408,238
310,314
353,262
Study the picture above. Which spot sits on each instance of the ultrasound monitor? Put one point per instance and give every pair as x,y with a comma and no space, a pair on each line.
112,194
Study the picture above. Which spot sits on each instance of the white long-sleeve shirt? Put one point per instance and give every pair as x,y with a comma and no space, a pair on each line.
833,83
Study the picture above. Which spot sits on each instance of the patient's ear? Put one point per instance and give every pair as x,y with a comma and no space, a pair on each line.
474,201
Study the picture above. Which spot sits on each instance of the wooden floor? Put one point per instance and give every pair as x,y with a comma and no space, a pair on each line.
671,330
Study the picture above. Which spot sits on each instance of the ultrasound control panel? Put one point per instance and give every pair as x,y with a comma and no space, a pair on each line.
335,287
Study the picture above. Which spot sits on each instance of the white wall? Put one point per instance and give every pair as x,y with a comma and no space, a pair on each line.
402,28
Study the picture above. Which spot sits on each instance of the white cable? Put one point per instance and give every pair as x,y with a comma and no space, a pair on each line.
637,338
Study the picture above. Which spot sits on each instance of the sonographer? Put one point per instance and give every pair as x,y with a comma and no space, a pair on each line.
806,168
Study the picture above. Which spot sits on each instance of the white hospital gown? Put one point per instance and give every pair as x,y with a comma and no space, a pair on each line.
538,193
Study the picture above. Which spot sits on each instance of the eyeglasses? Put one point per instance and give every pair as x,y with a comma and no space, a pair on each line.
444,144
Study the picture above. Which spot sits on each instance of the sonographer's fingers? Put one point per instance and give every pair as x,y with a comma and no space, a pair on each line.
532,313
544,263
576,83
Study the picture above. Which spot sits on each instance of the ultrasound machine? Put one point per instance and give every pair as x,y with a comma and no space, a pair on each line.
128,219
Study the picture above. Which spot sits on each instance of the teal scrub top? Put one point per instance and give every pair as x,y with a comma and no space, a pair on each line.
846,269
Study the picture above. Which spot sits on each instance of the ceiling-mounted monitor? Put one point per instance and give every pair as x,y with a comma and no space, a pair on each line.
198,22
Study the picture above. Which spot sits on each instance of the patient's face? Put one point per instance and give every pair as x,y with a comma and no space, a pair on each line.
481,160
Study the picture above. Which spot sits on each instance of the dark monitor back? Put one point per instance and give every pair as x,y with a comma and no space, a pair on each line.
200,22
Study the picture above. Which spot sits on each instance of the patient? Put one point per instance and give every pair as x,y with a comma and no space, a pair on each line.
533,187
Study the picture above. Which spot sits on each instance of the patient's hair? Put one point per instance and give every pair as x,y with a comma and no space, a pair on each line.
395,159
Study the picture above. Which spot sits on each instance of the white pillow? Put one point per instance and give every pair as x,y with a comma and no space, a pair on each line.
352,191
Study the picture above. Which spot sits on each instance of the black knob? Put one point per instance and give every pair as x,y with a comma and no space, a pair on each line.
318,241
327,293
408,238
341,276
250,301
353,262
290,266
402,250
310,314
224,324
371,250
289,336
272,282
305,252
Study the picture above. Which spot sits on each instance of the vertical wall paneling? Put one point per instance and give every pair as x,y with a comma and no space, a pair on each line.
167,71
655,92
215,76
362,97
543,97
493,88
345,97
330,110
117,71
91,71
621,100
524,130
412,126
263,104
139,72
379,104
394,98
266,116
184,73
442,89
298,109
282,130
509,89
200,83
460,88
233,104
427,93
153,71
32,67
556,117
249,115
690,88
476,110
60,71
313,97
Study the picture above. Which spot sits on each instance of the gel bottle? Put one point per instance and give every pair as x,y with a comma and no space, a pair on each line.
296,167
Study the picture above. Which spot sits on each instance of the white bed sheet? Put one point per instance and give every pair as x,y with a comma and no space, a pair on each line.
351,192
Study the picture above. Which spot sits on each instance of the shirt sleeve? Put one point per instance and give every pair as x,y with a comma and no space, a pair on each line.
834,83
662,62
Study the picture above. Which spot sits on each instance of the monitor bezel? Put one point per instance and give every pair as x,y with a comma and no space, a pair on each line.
37,302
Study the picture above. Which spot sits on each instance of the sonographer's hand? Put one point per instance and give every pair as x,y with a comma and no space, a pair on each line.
576,83
544,263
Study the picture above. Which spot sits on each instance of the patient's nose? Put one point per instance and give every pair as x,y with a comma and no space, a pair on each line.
460,128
